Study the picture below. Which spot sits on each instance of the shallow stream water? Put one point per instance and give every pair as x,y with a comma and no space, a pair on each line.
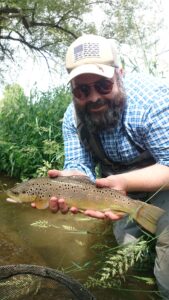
62,242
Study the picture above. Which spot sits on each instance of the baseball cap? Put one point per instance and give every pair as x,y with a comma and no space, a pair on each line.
91,54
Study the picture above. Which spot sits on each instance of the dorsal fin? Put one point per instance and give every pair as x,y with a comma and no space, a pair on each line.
75,178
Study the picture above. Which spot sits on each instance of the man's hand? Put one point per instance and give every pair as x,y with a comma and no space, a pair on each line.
116,182
59,204
110,182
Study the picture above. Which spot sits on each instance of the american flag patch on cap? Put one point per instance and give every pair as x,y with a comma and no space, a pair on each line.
86,50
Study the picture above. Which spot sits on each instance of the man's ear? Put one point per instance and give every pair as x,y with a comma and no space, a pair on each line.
121,71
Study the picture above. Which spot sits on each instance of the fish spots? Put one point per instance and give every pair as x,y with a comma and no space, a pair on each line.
68,187
101,192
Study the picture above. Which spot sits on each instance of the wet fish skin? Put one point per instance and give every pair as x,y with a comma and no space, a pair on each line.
79,191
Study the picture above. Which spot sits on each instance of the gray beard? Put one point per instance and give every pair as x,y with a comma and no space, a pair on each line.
99,121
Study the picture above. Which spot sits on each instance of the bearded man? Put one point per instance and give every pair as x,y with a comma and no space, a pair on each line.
122,123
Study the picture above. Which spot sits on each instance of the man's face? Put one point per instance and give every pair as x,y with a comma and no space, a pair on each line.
98,100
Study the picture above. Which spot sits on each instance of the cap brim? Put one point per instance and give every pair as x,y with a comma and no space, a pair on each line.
98,69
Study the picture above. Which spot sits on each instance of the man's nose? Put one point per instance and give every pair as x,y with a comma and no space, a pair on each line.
94,95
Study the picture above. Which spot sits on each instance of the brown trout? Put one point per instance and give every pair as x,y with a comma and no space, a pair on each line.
80,192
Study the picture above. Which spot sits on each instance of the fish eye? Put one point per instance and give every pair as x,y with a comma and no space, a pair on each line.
15,192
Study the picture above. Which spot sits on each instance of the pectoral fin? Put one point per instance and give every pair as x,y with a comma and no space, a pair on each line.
41,204
119,213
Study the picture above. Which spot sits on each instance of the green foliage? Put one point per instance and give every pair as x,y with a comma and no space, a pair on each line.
40,27
31,138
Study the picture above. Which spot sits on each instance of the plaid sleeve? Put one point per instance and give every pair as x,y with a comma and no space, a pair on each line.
157,130
76,156
147,117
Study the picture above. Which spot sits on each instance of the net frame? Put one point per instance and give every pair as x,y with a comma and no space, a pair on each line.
77,289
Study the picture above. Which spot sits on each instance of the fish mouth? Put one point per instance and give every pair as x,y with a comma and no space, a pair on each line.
11,197
11,200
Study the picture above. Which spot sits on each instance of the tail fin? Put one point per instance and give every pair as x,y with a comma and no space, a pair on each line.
147,216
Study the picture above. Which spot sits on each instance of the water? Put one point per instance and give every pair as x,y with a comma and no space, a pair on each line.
62,242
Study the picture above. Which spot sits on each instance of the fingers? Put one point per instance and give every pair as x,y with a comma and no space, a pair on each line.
56,204
63,206
55,173
104,215
53,204
112,182
59,204
114,217
94,214
102,182
74,210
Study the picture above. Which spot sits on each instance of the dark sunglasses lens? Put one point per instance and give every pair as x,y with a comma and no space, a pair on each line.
76,92
81,91
104,86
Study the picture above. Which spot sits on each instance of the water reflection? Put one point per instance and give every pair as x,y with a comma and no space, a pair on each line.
58,241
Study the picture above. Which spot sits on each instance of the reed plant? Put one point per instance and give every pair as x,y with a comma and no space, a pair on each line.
117,264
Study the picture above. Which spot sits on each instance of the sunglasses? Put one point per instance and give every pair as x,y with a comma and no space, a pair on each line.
102,86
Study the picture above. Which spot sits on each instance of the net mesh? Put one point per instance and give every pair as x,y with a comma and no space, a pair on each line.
31,282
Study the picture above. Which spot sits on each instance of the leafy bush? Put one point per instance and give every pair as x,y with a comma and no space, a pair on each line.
30,133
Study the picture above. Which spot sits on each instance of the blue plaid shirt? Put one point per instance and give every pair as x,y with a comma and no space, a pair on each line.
145,121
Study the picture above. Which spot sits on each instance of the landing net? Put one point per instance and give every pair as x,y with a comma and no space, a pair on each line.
32,282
